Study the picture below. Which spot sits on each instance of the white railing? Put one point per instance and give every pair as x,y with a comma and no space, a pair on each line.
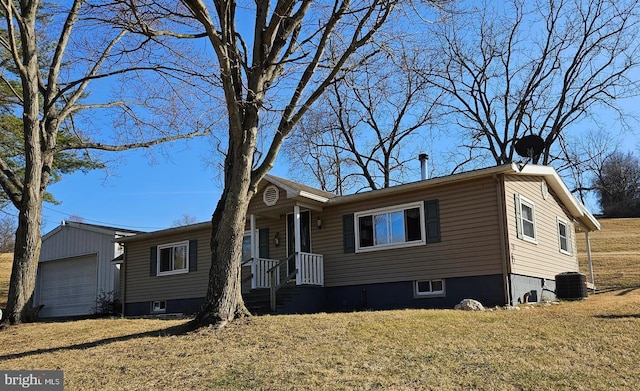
310,269
260,276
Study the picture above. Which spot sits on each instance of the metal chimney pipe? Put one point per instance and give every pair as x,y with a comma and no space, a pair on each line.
424,158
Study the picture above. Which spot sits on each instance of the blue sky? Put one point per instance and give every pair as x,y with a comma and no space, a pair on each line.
140,190
146,192
151,192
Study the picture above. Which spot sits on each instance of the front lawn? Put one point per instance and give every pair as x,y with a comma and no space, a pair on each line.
583,345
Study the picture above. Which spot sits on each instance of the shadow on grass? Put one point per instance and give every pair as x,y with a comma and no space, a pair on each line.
629,290
177,330
623,291
621,316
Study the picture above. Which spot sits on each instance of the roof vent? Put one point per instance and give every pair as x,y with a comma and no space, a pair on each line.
270,195
424,159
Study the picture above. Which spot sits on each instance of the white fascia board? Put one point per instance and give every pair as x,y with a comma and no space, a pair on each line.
293,193
163,232
575,207
311,196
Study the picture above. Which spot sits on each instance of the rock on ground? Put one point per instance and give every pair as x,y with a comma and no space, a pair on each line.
469,305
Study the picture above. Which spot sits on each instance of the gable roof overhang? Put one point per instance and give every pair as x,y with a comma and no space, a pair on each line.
101,229
298,191
573,205
317,198
165,232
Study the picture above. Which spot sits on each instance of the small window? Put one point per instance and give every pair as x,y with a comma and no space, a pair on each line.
390,227
429,288
173,258
158,306
564,236
526,219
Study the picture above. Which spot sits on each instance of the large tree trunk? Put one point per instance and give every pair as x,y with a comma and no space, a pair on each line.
37,165
25,264
224,302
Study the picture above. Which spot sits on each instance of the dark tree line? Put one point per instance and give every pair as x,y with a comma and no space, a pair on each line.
618,185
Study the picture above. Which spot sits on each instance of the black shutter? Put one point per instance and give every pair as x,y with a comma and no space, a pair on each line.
432,220
348,234
193,255
153,263
263,243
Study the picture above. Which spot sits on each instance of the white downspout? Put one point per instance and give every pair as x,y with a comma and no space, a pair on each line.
123,282
590,262
297,247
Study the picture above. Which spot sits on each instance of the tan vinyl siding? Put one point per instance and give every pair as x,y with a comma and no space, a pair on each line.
470,239
141,286
258,207
542,259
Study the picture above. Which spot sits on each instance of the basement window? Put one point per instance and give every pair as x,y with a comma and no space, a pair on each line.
429,288
159,306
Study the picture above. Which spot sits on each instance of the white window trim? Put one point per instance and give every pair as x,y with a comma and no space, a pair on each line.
419,294
390,209
569,237
172,272
525,201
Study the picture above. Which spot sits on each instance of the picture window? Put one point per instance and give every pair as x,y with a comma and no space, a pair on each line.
390,227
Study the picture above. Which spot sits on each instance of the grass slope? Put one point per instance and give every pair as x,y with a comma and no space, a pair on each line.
582,345
5,275
615,252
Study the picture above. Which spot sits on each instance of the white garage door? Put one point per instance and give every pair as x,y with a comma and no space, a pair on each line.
68,287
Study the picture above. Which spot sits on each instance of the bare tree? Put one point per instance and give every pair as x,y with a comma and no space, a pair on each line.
618,185
370,123
7,233
522,68
583,157
315,151
57,58
281,64
185,219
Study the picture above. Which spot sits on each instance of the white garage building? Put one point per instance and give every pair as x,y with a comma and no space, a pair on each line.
76,267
